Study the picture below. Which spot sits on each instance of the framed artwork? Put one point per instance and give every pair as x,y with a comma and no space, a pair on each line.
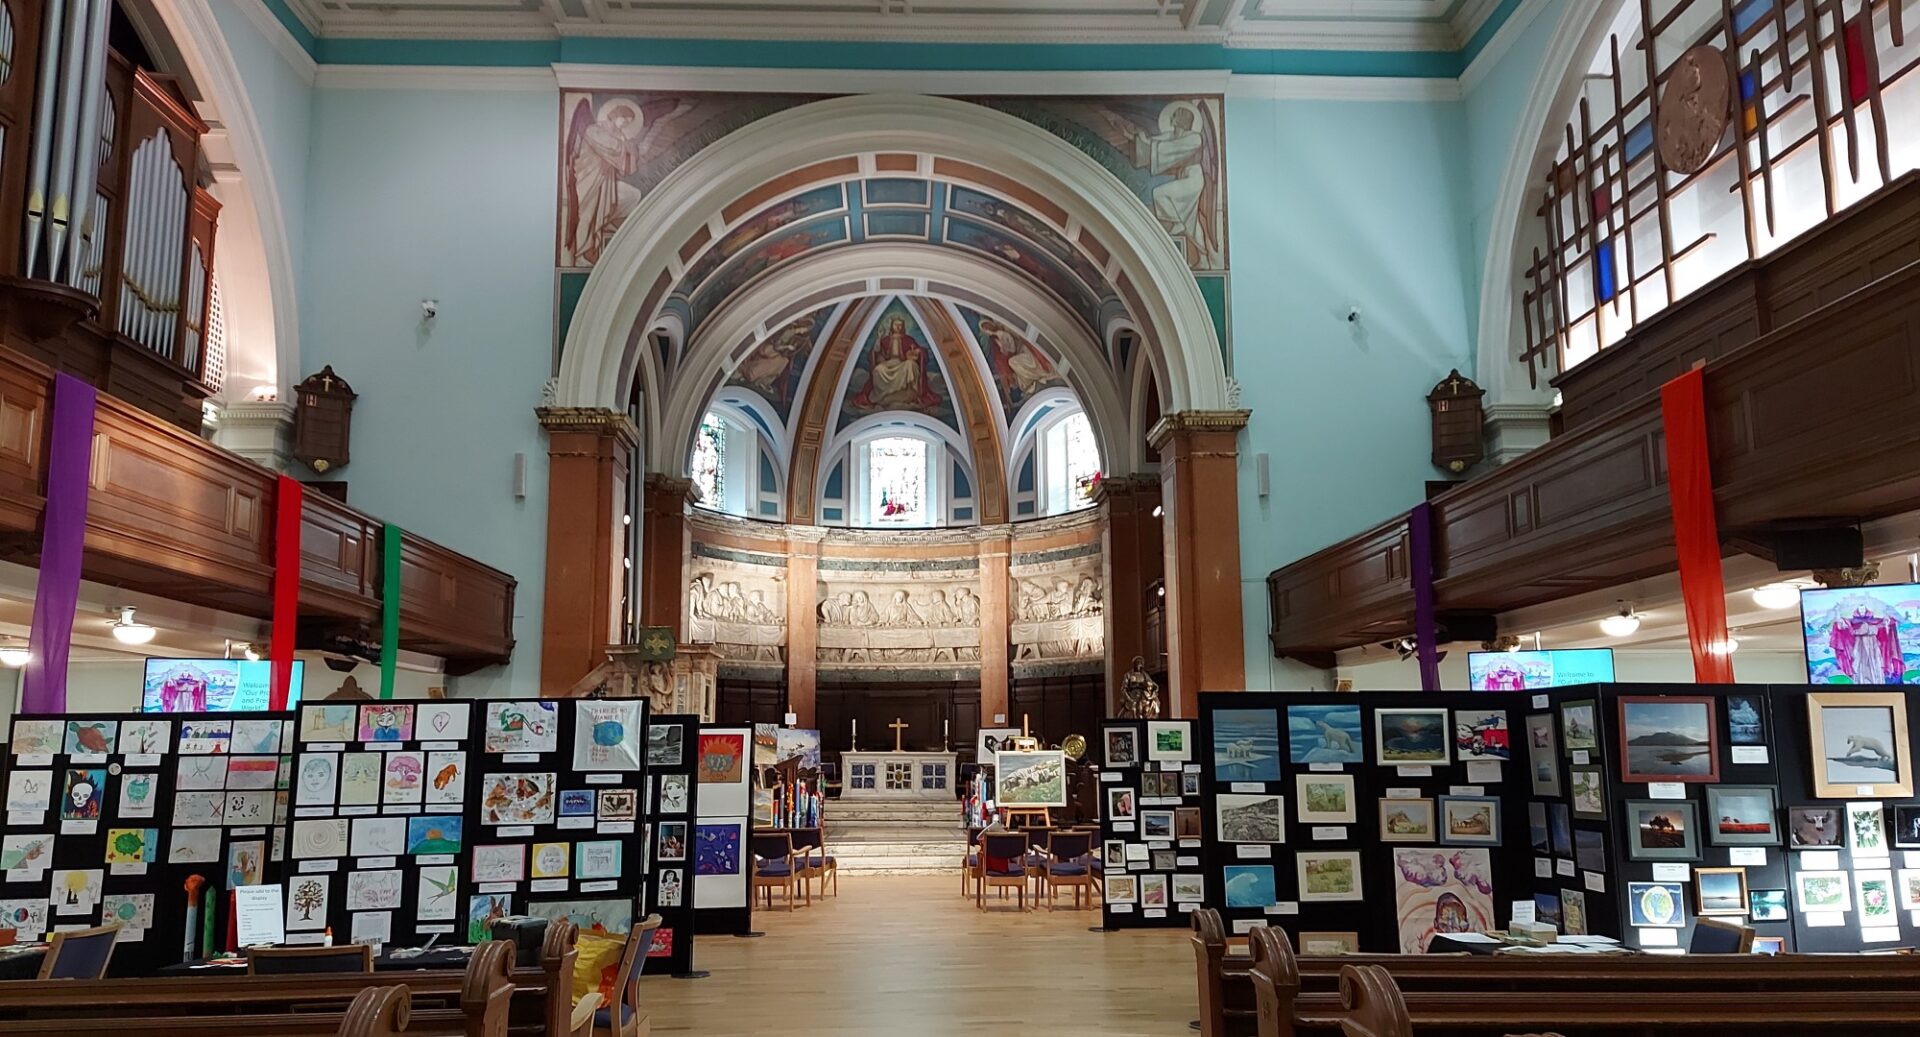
1407,821
1746,720
1656,905
521,727
1156,824
1720,891
1537,827
1469,821
1242,818
1125,889
1031,779
1579,725
386,722
1411,737
1859,742
1587,788
1907,886
1186,823
441,721
1866,830
1325,799
517,799
1906,825
663,745
716,848
91,740
1573,912
1814,828
435,834
1328,875
1873,891
1164,860
1822,891
1546,909
1440,891
1121,804
1670,738
1768,905
723,758
1481,734
1189,889
1543,755
1246,745
1327,945
1115,851
1742,815
1248,885
1590,850
606,735
1662,830
1560,829
1324,734
1170,740
1123,746
1153,891
672,840
1769,945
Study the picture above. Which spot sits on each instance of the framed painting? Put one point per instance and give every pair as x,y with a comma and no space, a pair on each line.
1859,744
1768,905
1469,821
1669,738
1579,726
1543,755
1587,786
1327,945
1329,875
1720,891
1324,734
1814,828
1906,826
1246,745
1407,821
1742,815
1436,892
1032,779
1412,737
1325,799
1663,830
1170,741
1123,747
1656,905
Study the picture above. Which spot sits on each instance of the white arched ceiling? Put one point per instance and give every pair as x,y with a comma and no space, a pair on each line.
1536,139
717,345
599,360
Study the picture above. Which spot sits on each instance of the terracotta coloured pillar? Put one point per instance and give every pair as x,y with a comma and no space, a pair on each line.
1130,560
803,621
1200,494
667,541
996,550
588,450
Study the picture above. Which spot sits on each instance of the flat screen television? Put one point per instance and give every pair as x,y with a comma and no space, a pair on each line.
1513,671
213,685
1862,635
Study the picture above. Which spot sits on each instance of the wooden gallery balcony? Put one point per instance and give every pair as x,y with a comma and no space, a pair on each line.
172,515
1813,409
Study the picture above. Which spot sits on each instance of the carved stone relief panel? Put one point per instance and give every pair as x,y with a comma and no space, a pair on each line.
737,600
894,615
1057,602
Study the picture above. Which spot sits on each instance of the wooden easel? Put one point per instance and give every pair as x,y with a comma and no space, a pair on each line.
1017,818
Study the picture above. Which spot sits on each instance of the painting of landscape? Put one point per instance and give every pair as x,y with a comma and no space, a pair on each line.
1668,739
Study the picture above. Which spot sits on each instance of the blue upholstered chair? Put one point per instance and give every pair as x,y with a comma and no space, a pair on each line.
1003,863
623,1018
810,853
774,866
1718,936
1069,863
970,863
79,953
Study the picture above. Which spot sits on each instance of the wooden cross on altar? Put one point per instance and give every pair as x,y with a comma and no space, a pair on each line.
898,726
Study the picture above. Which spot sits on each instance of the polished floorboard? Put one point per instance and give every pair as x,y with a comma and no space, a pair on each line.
897,955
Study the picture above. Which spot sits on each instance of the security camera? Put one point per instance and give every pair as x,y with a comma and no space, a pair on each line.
1353,314
430,308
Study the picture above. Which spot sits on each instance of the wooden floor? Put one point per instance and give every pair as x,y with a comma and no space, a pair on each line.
898,955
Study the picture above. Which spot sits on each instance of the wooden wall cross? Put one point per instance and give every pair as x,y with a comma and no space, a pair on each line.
898,726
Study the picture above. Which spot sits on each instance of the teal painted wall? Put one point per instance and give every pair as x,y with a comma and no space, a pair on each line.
1335,204
441,195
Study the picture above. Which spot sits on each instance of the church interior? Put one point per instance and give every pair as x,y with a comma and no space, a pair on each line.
592,517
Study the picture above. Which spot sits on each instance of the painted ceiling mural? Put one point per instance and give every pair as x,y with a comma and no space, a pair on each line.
777,366
1020,370
897,368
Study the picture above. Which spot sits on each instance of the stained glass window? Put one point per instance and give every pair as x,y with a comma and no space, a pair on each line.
1071,464
710,462
897,481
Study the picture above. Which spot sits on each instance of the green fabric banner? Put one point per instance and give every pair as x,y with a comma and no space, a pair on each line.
390,605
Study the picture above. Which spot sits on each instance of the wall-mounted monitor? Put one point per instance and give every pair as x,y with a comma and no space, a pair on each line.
213,685
1862,635
1514,671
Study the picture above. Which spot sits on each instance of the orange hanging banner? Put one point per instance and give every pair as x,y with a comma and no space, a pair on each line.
1696,532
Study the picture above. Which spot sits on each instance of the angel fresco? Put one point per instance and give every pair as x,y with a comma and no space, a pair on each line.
1178,144
603,148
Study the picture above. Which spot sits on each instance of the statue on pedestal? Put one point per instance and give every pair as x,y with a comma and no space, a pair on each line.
1139,695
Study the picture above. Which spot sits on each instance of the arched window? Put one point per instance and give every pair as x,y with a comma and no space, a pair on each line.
897,481
1069,464
1739,126
709,465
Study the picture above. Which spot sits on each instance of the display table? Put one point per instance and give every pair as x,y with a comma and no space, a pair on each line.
897,775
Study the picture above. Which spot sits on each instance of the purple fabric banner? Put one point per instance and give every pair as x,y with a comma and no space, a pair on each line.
1420,567
63,533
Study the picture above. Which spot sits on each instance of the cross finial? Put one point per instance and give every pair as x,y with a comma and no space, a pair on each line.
898,726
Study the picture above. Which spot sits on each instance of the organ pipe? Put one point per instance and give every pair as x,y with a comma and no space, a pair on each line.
65,127
87,168
41,160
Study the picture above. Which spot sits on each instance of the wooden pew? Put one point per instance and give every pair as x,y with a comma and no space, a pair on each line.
480,998
377,1012
1226,995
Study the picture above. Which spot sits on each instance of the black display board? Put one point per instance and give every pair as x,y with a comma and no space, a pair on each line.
137,805
1320,754
1150,822
672,807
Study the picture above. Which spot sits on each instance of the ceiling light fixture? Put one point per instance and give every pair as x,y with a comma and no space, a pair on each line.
129,631
1777,595
1727,647
1622,624
14,654
1158,511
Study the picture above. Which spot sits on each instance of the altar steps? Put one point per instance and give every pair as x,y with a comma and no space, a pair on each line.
878,838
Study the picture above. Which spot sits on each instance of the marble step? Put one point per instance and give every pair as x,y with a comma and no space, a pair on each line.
837,809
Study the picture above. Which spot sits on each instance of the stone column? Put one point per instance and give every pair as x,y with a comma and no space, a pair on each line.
589,450
1130,559
1200,495
996,554
803,621
667,541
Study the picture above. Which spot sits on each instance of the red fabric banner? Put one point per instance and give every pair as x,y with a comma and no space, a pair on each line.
1696,533
286,586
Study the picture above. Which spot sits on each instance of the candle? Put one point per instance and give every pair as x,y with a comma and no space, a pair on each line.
856,728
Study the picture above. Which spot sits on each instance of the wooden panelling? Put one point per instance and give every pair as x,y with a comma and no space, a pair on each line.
1329,597
339,560
451,605
25,402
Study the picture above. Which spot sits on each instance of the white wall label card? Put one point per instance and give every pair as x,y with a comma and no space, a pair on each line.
33,760
128,868
1750,754
548,886
1543,867
1820,860
1109,776
1191,768
313,811
1863,790
25,818
439,747
603,779
1186,862
1595,881
143,759
442,929
1880,934
307,867
1324,767
519,757
1523,911
242,833
1666,790
516,832
615,828
79,827
1824,919
1425,770
326,747
1659,937
259,917
606,886
1466,790
434,858
573,822
1672,872
1403,794
1254,853
1747,856
1127,909
1161,912
1189,844
1123,826
1289,907
1563,867
1325,832
1484,772
375,863
1248,786
1910,859
1581,757
358,811
1539,702
495,887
